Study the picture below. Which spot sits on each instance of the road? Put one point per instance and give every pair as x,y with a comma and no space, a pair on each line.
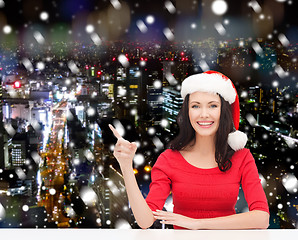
52,173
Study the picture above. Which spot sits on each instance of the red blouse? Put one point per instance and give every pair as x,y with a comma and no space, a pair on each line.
205,193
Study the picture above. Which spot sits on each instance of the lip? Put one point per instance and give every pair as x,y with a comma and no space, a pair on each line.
205,126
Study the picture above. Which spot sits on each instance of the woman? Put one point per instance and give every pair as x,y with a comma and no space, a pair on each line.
203,167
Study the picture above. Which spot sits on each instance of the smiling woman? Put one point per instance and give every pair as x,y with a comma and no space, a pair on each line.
204,113
217,116
203,167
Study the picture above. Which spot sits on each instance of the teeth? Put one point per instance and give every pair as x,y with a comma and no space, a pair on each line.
205,124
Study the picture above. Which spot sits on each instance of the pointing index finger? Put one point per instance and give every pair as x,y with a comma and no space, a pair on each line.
115,132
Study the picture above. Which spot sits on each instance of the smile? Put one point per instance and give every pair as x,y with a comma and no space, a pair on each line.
205,124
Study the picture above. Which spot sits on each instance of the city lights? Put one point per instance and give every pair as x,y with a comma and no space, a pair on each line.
68,70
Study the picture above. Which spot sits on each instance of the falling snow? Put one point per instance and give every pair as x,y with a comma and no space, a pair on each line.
87,66
7,29
44,16
170,7
219,7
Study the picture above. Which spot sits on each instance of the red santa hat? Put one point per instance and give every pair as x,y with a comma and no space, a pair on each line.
217,83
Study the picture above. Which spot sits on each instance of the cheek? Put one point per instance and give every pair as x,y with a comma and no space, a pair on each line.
217,114
193,115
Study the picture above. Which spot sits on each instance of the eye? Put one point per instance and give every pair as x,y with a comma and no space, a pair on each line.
213,106
194,106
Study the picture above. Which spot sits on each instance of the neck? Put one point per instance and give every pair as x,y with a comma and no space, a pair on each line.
204,145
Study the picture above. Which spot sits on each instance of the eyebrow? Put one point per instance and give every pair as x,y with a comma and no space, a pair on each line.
208,102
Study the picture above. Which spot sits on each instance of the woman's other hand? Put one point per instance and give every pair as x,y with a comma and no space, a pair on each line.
176,219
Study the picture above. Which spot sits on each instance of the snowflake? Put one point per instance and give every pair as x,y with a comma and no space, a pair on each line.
158,144
98,220
20,173
139,159
96,39
113,188
122,224
73,67
257,48
7,29
38,37
170,7
164,123
171,79
88,196
142,26
123,60
255,6
151,131
116,4
150,19
2,212
290,182
220,28
250,118
219,7
193,26
119,127
89,28
157,84
40,66
52,191
25,208
169,34
91,111
204,66
44,16
275,83
244,94
255,65
28,65
283,39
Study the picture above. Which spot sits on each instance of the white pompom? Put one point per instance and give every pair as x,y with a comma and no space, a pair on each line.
237,140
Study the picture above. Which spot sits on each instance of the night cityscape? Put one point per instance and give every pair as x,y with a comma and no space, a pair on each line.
70,68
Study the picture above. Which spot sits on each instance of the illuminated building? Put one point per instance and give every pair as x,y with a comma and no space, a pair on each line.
174,73
17,149
171,106
112,199
155,100
2,165
130,93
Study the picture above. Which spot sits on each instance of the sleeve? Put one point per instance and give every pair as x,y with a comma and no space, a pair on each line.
251,185
160,185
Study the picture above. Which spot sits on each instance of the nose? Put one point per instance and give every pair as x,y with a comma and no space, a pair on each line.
204,112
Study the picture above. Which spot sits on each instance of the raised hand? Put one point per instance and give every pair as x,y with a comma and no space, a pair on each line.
124,150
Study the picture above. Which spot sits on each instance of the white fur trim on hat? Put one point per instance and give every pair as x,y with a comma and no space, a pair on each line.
237,140
212,83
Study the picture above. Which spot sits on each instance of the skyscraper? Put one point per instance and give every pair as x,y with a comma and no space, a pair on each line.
2,164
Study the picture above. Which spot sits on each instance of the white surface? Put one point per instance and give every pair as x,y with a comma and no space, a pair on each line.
149,234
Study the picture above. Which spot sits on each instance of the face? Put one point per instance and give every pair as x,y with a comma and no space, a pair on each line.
204,113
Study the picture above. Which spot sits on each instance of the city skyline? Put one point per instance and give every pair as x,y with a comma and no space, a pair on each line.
67,72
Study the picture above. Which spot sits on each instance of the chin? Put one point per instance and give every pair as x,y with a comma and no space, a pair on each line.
206,134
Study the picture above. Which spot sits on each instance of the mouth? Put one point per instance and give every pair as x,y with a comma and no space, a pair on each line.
205,124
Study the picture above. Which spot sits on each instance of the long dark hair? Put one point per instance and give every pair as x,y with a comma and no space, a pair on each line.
223,152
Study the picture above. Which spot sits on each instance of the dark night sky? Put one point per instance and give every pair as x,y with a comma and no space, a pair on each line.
242,18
